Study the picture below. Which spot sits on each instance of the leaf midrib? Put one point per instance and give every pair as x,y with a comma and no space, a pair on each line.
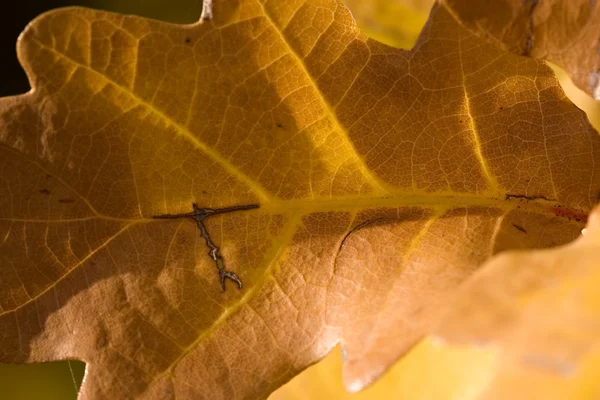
305,206
381,197
357,203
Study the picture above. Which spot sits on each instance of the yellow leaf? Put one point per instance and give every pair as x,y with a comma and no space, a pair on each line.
384,179
578,97
430,371
397,23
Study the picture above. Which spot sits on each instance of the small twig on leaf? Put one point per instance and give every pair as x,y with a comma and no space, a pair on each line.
206,10
198,215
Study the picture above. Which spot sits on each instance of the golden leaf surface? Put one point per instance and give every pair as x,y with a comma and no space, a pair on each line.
564,32
384,179
524,326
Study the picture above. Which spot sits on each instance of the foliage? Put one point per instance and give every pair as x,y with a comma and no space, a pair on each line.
384,180
564,32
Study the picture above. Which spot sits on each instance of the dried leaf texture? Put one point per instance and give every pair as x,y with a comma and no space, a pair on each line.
384,179
564,32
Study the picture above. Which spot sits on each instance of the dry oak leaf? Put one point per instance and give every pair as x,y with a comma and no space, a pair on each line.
528,322
384,179
565,32
541,311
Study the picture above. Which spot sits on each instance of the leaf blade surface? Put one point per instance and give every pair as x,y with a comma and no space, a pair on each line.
380,174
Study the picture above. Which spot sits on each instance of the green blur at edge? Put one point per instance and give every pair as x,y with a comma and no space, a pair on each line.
47,381
61,380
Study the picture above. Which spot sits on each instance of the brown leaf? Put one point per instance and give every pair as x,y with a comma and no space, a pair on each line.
564,32
540,310
384,179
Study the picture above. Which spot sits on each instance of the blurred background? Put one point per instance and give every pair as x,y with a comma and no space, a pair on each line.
21,12
394,22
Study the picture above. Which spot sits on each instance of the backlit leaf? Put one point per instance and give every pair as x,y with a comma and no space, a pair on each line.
565,32
384,178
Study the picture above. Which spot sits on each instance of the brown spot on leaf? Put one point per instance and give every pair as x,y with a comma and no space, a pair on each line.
520,228
570,214
523,197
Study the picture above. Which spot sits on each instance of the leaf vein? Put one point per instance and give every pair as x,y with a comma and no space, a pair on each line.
258,190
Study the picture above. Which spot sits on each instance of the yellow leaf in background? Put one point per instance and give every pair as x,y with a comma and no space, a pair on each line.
577,96
384,178
541,310
428,372
397,23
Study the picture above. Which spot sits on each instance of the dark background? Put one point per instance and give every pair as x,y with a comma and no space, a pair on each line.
57,380
13,21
